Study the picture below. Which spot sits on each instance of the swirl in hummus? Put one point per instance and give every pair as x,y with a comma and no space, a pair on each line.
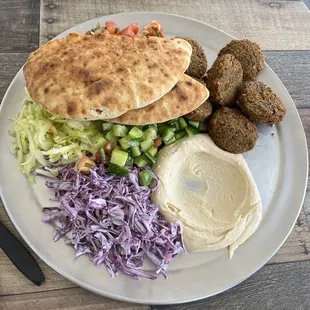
212,192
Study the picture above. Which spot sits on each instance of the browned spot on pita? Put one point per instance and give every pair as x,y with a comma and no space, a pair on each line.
153,65
97,87
120,69
189,83
182,96
71,108
46,90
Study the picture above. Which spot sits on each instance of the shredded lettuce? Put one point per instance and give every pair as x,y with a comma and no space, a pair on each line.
42,139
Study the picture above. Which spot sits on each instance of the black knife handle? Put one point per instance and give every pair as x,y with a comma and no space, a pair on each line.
20,256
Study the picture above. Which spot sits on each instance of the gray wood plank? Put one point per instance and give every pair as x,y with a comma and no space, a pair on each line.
279,25
19,21
305,118
10,65
276,287
293,69
73,299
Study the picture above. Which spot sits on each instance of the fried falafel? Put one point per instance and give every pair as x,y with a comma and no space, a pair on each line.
232,131
249,54
261,104
201,113
198,64
224,80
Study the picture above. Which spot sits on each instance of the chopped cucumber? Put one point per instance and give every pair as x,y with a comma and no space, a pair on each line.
124,142
119,157
153,151
191,131
106,126
173,129
180,134
170,141
174,124
168,134
182,122
102,154
135,151
150,133
135,133
147,144
102,141
141,161
134,142
161,128
110,136
152,126
117,170
150,157
129,161
119,130
145,177
194,124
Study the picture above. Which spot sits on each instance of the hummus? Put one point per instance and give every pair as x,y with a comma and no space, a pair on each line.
212,192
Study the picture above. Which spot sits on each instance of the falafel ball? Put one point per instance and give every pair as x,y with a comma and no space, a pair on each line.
261,104
224,80
200,113
198,65
232,131
249,54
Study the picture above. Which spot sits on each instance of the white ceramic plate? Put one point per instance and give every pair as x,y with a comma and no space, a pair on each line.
279,164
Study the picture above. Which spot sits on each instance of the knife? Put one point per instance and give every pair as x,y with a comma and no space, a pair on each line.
20,256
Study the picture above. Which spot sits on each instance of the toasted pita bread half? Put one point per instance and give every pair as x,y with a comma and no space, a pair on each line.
187,95
103,76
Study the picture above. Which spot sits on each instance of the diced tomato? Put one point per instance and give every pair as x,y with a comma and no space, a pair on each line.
85,163
112,27
130,31
97,157
109,147
157,142
153,29
135,28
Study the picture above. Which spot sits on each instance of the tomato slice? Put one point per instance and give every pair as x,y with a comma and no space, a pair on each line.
135,28
153,29
130,31
112,27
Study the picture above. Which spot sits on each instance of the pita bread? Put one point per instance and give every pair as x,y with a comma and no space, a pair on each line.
103,76
185,96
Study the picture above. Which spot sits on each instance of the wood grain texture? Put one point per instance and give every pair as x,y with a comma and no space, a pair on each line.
276,287
73,299
19,21
279,25
293,69
10,65
305,118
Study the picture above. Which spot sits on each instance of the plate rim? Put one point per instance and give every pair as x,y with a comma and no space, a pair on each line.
156,302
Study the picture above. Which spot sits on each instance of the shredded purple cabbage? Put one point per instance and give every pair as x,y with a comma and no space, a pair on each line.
113,221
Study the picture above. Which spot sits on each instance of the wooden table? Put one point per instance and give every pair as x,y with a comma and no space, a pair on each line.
281,28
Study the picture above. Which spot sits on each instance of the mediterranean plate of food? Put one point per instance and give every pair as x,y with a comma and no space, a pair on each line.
151,158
